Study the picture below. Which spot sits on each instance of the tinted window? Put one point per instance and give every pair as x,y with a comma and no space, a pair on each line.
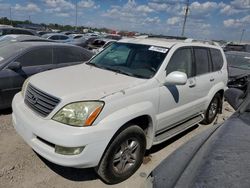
216,59
67,55
63,37
55,37
181,61
202,61
42,56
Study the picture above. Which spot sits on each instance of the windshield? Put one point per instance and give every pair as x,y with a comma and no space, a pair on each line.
241,61
131,59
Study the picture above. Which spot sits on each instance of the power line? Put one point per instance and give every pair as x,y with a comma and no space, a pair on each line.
185,19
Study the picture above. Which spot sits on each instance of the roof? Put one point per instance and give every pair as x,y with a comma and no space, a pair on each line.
167,43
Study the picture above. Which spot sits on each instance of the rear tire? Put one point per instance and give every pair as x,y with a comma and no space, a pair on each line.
124,156
212,110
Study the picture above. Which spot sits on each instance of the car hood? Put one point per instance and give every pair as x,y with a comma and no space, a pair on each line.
235,72
81,82
219,157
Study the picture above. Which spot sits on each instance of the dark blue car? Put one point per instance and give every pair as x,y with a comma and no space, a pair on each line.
20,60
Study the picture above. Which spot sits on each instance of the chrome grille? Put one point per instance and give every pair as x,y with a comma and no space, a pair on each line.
39,101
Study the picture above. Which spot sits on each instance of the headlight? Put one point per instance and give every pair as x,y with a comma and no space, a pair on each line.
79,114
25,84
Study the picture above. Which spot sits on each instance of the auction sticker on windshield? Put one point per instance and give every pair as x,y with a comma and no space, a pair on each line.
158,49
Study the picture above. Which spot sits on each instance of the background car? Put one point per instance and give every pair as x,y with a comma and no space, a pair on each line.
238,69
56,37
6,39
219,157
20,60
237,47
83,42
17,31
99,44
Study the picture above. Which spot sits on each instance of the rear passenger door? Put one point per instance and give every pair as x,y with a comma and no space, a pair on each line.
203,73
66,56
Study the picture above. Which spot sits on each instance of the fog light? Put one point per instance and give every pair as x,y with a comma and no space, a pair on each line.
68,151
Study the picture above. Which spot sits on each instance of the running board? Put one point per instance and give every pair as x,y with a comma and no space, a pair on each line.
161,137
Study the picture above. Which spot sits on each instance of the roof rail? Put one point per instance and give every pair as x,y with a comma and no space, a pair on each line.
160,36
167,37
202,41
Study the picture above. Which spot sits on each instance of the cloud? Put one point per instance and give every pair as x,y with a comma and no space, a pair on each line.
144,9
63,14
154,20
202,9
235,23
174,21
31,7
129,12
59,3
87,4
241,4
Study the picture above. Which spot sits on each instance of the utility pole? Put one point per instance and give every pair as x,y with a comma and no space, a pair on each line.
76,17
29,20
242,34
185,19
10,17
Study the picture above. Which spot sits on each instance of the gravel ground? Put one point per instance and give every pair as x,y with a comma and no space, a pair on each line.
23,168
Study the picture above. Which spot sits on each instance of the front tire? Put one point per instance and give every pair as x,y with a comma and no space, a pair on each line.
124,156
212,110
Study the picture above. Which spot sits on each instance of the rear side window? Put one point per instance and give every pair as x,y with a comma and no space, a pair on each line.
35,57
64,37
68,55
55,37
201,60
181,61
217,59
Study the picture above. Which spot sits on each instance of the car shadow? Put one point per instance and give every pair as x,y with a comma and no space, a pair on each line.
6,111
73,174
159,147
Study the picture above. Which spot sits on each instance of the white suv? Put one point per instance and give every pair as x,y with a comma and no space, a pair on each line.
134,94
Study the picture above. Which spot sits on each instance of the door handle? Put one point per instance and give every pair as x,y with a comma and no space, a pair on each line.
211,79
192,83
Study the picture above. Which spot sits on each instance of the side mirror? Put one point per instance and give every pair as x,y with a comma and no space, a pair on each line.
176,78
15,66
234,97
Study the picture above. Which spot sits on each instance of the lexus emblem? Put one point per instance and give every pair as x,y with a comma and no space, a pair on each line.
34,99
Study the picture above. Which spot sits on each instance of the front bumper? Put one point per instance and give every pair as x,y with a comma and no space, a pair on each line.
41,134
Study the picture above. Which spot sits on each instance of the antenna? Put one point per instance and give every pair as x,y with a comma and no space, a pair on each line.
185,19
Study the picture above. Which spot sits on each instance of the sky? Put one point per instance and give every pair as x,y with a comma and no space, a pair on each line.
217,19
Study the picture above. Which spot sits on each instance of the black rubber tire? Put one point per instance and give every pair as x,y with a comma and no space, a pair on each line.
106,169
209,119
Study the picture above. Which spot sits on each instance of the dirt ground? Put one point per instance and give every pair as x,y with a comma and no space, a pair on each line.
21,167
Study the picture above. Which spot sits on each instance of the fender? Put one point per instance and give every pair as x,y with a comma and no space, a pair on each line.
219,86
119,118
